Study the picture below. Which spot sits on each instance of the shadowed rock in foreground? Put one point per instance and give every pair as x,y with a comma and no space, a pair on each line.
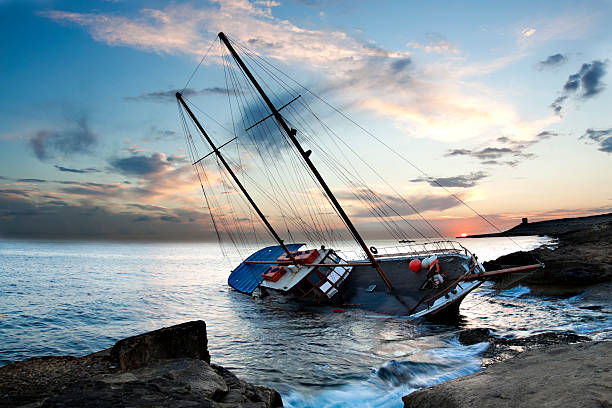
575,375
163,368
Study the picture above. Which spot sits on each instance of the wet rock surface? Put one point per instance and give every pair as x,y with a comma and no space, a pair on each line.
502,348
575,375
164,368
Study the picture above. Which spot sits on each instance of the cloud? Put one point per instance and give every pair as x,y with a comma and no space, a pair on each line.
432,101
584,84
170,95
26,216
77,139
528,31
31,180
602,137
509,148
156,135
169,218
79,171
591,75
553,61
421,202
436,43
94,189
465,181
141,164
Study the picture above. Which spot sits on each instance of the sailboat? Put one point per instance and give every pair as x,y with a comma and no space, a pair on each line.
416,279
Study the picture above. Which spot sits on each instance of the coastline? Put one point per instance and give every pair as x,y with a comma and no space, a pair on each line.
548,369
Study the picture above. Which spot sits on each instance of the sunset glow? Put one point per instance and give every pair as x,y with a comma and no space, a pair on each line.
503,105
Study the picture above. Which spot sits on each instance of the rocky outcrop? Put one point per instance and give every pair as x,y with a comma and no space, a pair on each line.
550,227
186,340
163,368
575,375
583,257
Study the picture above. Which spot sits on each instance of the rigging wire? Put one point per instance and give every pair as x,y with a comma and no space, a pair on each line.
371,199
432,179
201,61
286,87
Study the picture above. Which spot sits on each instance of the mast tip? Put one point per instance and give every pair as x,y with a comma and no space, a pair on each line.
177,94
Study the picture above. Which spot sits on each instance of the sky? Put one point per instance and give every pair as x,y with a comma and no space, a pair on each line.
506,104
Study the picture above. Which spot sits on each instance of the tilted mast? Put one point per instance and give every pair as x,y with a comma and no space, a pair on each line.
179,97
306,156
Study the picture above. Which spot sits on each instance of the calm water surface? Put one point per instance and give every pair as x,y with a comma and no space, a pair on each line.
76,298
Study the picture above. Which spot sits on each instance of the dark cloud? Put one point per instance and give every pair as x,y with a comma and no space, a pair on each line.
458,152
22,217
546,135
572,83
602,137
31,180
78,139
557,104
514,149
79,171
553,61
488,153
141,164
142,218
591,78
584,84
22,193
170,95
465,181
169,218
400,64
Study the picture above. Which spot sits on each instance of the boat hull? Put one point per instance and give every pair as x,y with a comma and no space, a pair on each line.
409,297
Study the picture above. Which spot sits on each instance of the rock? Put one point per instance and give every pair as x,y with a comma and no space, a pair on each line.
243,392
582,257
577,375
472,336
502,349
186,340
163,368
169,383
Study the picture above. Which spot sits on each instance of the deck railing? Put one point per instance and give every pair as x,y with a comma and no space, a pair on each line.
416,249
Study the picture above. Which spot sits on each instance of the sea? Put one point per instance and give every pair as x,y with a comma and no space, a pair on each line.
74,298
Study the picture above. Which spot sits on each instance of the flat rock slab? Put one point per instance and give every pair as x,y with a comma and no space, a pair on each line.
576,375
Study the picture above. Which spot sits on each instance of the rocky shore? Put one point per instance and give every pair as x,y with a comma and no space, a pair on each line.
549,369
582,257
169,367
574,375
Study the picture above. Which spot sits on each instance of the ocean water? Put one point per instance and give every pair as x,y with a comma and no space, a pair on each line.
59,298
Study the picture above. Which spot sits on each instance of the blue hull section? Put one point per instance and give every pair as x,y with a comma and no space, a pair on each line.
246,277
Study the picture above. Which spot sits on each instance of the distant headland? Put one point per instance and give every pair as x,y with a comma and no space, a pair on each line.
550,227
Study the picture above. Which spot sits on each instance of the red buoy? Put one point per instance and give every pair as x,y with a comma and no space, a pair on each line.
415,265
